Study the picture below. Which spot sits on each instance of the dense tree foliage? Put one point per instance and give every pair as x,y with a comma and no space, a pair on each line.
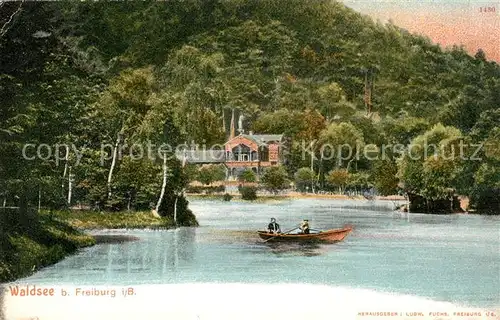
304,179
92,74
275,179
338,178
248,192
247,176
211,173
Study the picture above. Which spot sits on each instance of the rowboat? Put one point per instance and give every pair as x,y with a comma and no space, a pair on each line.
329,236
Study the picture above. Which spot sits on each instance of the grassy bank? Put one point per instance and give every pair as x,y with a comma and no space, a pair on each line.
28,244
31,241
112,220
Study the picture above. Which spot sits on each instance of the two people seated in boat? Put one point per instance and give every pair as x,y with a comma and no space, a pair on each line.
273,227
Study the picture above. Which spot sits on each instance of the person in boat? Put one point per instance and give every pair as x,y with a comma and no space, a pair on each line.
273,227
304,226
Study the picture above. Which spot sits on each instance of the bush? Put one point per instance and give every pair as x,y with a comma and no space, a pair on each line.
210,173
247,176
115,204
304,178
227,197
338,178
275,179
248,193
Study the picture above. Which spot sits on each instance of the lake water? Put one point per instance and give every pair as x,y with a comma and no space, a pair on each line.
445,258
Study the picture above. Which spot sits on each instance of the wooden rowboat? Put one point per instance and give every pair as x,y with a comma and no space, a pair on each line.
329,236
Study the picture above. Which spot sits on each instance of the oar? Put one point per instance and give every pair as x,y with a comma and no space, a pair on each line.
282,233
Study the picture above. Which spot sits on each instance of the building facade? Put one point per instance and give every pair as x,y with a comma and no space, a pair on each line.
244,151
252,151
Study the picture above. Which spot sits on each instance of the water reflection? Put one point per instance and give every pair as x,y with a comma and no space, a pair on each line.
250,239
180,249
441,257
296,249
154,252
229,236
422,218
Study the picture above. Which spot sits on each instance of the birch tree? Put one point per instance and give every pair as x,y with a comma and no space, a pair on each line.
163,186
126,101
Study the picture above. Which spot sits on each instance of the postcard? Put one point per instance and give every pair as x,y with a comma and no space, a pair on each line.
250,159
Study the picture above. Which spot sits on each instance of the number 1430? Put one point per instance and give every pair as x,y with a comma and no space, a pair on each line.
487,9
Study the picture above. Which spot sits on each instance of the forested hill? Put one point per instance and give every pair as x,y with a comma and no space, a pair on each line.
91,72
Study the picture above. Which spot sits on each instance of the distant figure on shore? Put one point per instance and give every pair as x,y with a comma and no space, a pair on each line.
273,227
304,226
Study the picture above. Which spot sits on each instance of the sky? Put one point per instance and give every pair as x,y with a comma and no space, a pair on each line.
470,23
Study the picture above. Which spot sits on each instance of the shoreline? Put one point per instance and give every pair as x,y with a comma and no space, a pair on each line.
464,201
68,231
92,220
55,235
298,195
39,243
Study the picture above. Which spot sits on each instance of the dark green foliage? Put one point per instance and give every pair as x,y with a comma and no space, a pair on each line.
185,217
211,173
170,72
384,175
275,179
26,247
304,179
248,192
419,204
247,176
227,197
